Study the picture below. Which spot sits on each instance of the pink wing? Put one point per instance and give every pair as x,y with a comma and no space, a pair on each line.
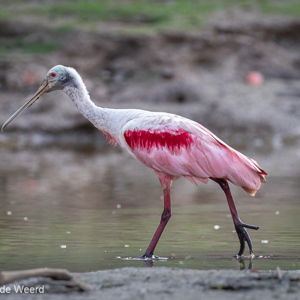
180,147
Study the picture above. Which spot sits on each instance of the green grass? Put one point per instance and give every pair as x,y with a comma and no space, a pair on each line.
64,27
33,47
281,8
91,10
40,47
138,16
158,15
5,14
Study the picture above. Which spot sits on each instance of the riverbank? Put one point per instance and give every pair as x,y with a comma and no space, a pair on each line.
200,75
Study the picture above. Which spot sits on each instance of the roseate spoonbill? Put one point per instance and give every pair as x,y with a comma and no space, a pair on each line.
172,146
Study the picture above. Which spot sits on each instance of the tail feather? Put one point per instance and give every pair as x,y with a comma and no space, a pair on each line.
256,171
251,192
262,173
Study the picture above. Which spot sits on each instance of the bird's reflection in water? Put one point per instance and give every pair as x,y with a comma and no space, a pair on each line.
243,263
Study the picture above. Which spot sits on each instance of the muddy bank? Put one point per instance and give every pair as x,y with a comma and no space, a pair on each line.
168,283
200,76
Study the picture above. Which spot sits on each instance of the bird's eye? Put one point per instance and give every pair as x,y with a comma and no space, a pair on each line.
53,74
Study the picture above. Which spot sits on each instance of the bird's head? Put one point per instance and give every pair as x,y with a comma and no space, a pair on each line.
57,78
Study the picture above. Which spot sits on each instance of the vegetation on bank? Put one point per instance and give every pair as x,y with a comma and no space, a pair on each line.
133,16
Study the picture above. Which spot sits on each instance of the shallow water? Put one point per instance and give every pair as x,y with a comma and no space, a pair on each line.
82,211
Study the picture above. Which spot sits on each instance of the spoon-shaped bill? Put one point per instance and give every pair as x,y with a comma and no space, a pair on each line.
42,89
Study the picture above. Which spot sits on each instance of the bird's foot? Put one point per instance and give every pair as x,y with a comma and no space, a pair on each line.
243,236
149,257
146,256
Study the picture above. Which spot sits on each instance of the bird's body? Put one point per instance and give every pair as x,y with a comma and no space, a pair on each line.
169,144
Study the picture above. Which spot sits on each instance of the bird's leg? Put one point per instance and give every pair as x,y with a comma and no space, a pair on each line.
165,217
240,227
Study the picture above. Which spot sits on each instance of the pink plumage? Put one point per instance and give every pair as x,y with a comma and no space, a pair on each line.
150,140
185,148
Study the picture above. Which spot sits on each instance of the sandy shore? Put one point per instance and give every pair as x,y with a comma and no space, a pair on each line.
167,283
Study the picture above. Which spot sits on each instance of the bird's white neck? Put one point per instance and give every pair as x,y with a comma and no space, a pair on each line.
80,96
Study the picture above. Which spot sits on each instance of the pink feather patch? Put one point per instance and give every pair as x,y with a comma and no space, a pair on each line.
112,141
150,139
